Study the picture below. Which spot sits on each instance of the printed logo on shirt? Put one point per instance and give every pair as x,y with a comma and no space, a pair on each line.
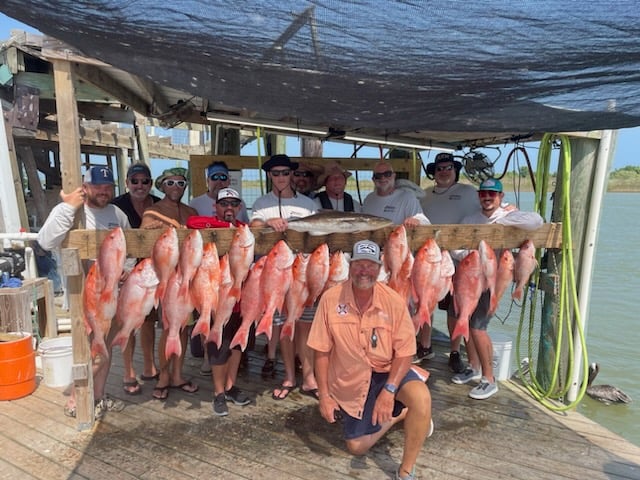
389,209
341,309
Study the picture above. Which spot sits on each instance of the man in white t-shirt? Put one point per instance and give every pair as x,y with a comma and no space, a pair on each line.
274,210
397,204
447,202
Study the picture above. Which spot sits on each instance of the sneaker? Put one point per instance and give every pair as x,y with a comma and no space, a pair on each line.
408,476
235,395
423,353
455,363
467,376
107,404
484,390
220,405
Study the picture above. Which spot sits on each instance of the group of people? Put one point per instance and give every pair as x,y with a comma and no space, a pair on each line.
360,323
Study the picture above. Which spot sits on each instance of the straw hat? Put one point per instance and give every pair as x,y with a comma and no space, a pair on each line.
332,168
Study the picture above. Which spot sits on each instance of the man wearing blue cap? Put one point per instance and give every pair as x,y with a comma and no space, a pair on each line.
217,178
480,348
95,195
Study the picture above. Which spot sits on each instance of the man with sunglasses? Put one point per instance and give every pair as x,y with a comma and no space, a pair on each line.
480,349
133,203
447,202
397,204
217,178
305,178
274,210
364,341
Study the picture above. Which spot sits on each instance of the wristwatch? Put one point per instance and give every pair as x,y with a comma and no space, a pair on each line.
391,388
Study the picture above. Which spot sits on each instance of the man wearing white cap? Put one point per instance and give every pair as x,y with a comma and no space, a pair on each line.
364,342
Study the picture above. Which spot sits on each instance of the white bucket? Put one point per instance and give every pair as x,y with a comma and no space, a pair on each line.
501,356
57,361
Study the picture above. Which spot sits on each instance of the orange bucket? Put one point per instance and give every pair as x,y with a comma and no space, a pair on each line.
17,366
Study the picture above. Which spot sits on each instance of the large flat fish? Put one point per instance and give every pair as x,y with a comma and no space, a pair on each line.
332,221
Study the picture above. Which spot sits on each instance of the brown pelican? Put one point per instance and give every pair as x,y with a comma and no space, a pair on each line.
605,393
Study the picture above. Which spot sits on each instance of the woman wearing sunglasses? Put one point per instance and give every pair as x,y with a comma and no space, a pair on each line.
133,203
218,178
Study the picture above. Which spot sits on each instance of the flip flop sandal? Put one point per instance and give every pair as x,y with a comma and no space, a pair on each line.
187,387
312,392
160,393
286,389
148,378
132,387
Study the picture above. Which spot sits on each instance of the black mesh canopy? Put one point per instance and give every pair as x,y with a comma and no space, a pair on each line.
377,67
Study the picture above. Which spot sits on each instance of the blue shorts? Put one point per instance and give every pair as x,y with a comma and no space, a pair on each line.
353,427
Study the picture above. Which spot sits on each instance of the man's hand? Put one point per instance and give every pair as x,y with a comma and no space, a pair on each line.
383,409
328,408
411,222
278,224
75,199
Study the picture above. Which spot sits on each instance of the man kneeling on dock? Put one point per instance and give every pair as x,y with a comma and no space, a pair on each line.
364,342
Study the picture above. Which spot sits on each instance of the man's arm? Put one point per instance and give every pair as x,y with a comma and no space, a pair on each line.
328,405
60,220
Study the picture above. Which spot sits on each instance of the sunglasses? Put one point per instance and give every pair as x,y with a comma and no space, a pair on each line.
378,176
447,168
144,181
219,176
229,203
302,174
179,183
488,193
277,173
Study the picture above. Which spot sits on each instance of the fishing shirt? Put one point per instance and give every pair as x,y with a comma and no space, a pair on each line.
270,206
397,207
340,330
450,205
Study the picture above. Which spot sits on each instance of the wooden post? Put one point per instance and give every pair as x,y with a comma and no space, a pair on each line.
69,135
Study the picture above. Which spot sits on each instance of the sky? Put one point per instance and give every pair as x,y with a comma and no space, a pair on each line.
627,149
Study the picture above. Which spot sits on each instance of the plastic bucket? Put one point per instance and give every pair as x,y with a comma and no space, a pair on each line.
17,365
57,361
501,356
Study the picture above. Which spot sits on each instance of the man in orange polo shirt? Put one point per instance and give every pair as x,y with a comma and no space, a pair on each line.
364,343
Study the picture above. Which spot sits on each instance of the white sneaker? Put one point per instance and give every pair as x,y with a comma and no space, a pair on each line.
484,390
467,376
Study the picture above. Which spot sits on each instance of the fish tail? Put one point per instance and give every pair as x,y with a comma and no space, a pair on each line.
98,347
173,347
265,325
240,339
202,326
517,293
214,336
287,330
461,329
122,339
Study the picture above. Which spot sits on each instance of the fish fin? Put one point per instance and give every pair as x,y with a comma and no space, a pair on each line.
461,329
214,336
517,294
265,324
287,330
98,347
122,339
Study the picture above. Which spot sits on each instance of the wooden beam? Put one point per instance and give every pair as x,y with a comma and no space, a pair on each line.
69,133
450,237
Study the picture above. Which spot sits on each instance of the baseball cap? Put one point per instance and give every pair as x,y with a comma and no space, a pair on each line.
138,168
228,193
217,167
366,250
491,184
99,176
